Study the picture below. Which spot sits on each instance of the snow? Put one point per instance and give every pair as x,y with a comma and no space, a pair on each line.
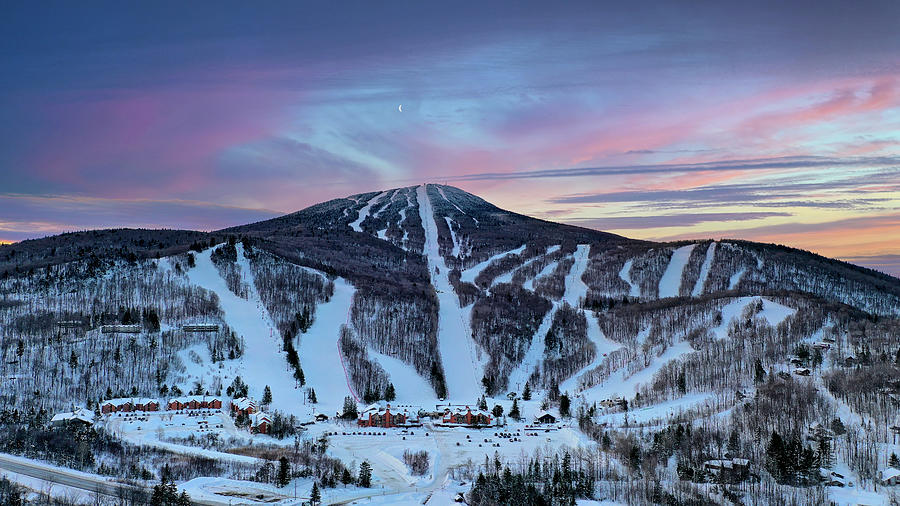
441,191
529,285
534,355
318,350
364,212
409,385
575,291
735,279
603,346
263,362
625,275
773,312
507,277
469,275
704,270
461,365
453,236
659,411
670,283
619,385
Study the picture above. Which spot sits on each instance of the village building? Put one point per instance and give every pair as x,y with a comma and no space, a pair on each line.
260,423
125,329
544,418
802,371
195,402
129,404
80,416
890,476
731,470
466,417
243,405
376,416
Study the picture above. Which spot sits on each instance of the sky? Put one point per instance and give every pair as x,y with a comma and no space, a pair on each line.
768,121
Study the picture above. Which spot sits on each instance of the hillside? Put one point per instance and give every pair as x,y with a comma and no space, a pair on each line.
432,293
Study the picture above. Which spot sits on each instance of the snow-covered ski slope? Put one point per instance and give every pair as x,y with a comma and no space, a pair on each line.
670,283
364,212
772,312
625,275
574,294
458,350
704,270
263,363
411,388
469,275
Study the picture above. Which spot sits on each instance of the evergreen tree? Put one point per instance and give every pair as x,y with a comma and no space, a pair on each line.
312,396
314,496
346,479
497,411
514,411
482,403
284,472
564,405
526,393
759,373
365,475
894,461
389,393
350,412
73,360
267,396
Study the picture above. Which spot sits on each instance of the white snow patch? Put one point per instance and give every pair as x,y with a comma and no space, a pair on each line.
670,283
736,278
364,212
704,270
469,275
625,275
452,236
773,312
410,386
458,350
618,384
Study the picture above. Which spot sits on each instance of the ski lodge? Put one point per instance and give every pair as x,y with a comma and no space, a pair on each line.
375,416
466,417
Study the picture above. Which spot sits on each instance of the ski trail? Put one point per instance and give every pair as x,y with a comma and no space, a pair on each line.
469,275
736,278
403,211
602,345
263,362
452,236
574,293
507,276
704,270
409,385
625,275
319,351
670,283
461,371
534,355
576,290
529,285
441,191
364,212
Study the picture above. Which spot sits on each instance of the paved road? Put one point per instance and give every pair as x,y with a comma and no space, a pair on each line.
87,482
70,479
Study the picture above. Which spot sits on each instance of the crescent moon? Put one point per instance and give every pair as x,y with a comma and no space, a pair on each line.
400,108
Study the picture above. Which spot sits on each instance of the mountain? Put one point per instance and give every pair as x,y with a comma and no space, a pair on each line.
430,292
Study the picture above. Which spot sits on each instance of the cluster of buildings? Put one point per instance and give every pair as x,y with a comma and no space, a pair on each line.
377,416
130,404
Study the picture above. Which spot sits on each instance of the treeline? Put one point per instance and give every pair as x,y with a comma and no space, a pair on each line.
504,323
